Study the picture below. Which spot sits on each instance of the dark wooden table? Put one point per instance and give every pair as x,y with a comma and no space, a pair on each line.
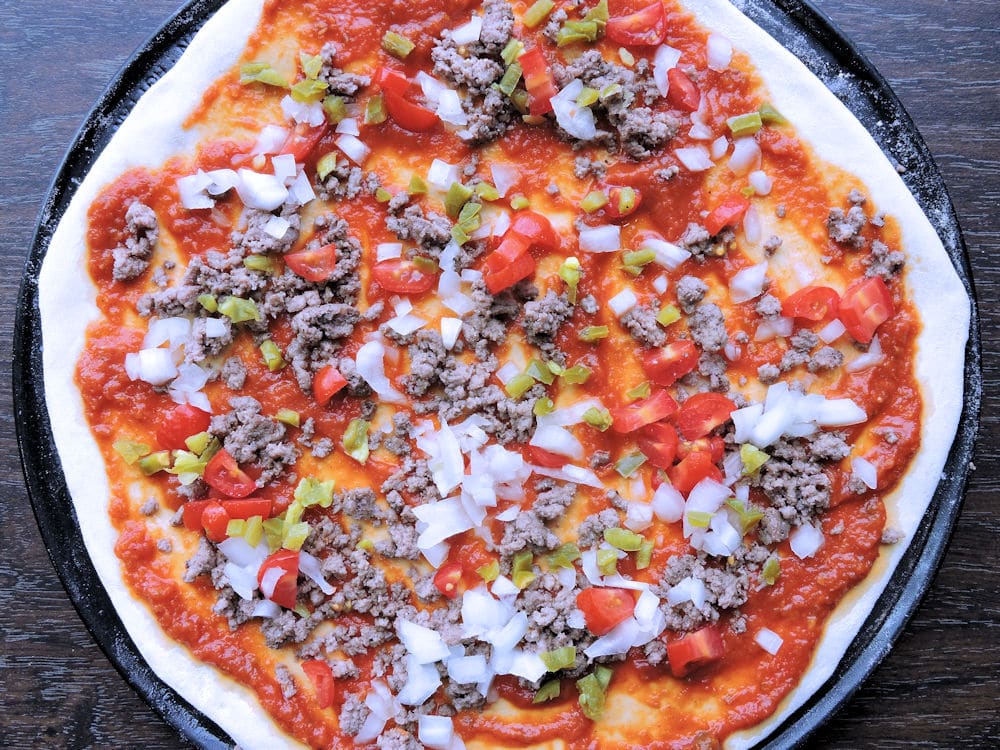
940,687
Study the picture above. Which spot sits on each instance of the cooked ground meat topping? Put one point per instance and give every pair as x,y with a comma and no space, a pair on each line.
131,259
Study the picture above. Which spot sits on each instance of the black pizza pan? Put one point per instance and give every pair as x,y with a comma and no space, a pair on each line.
801,28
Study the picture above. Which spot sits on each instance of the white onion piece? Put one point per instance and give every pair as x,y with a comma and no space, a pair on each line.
639,516
430,86
436,554
190,377
266,609
621,638
722,539
839,412
719,147
450,110
687,590
694,158
239,552
154,366
745,156
442,174
760,182
768,640
869,359
164,330
468,669
444,519
353,148
499,228
276,227
601,239
348,125
806,541
700,132
310,568
424,644
507,371
382,706
588,563
660,284
469,32
622,302
310,114
557,440
569,473
435,732
564,416
732,351
503,586
223,180
732,467
744,420
284,166
666,57
865,471
578,121
752,228
748,283
388,251
719,52
460,304
263,191
192,191
422,681
772,328
406,324
470,275
668,255
831,331
243,580
450,328
370,365
667,503
300,192
505,176
269,581
527,666
270,140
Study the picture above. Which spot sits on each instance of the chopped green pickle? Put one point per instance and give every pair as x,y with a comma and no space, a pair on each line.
274,529
598,417
591,334
577,374
487,192
326,164
638,258
293,514
521,569
289,416
489,572
607,561
609,91
543,406
564,556
640,391
537,13
743,125
425,264
366,544
261,263
239,310
512,51
308,91
253,532
540,372
198,442
644,556
311,64
186,462
335,108
750,516
236,527
587,96
547,692
382,195
208,302
698,519
593,692
628,464
311,492
753,458
155,462
623,539
375,113
593,201
668,315
456,197
560,658
518,385
260,72
356,440
417,186
295,535
770,116
573,32
272,355
598,14
570,271
555,368
518,201
459,235
397,45
469,212
130,450
771,570
510,78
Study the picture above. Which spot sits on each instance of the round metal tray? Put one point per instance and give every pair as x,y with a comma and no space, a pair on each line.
801,28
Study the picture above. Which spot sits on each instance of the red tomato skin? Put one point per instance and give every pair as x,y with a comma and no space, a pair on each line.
692,469
538,81
447,579
215,519
613,211
665,366
313,265
321,676
520,268
192,511
248,507
605,607
682,92
702,413
644,28
402,277
658,442
180,423
535,229
224,474
407,115
392,81
815,303
548,459
631,417
729,213
327,383
694,650
715,446
865,305
303,140
286,589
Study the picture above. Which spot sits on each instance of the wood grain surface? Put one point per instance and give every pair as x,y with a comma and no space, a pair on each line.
938,688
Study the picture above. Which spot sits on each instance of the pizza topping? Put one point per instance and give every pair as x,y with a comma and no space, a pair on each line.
131,259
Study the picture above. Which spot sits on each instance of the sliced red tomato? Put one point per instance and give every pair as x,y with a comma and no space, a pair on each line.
535,229
224,474
729,213
180,423
402,277
715,446
613,209
538,81
286,584
666,365
408,115
697,649
865,306
631,417
392,81
214,520
702,413
542,457
248,507
448,578
682,92
327,383
313,265
815,303
321,676
696,466
192,511
658,443
644,28
508,264
605,607
303,139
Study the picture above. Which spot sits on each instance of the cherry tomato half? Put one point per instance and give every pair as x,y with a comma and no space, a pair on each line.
729,213
402,277
605,607
658,442
631,417
697,649
666,365
702,413
448,578
696,466
286,586
865,306
815,303
180,423
224,474
682,93
644,28
321,676
313,265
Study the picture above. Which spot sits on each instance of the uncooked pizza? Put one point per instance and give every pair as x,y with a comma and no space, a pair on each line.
553,374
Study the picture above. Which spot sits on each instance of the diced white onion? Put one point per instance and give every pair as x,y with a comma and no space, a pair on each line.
243,580
666,57
752,228
349,126
748,283
668,255
806,541
155,366
269,581
719,52
435,732
223,180
772,328
667,503
576,120
444,519
422,681
308,113
557,440
469,32
839,412
284,167
450,328
768,640
310,568
694,158
430,86
449,108
865,471
270,140
700,132
276,227
505,176
660,284
426,645
172,331
639,516
300,192
719,147
507,371
831,331
370,365
467,669
265,608
192,191
381,707
687,590
388,251
622,302
353,148
570,473
460,304
263,191
441,174
760,182
745,156
404,325
600,239
869,359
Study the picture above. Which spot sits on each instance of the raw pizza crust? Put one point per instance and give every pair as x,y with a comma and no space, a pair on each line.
153,132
